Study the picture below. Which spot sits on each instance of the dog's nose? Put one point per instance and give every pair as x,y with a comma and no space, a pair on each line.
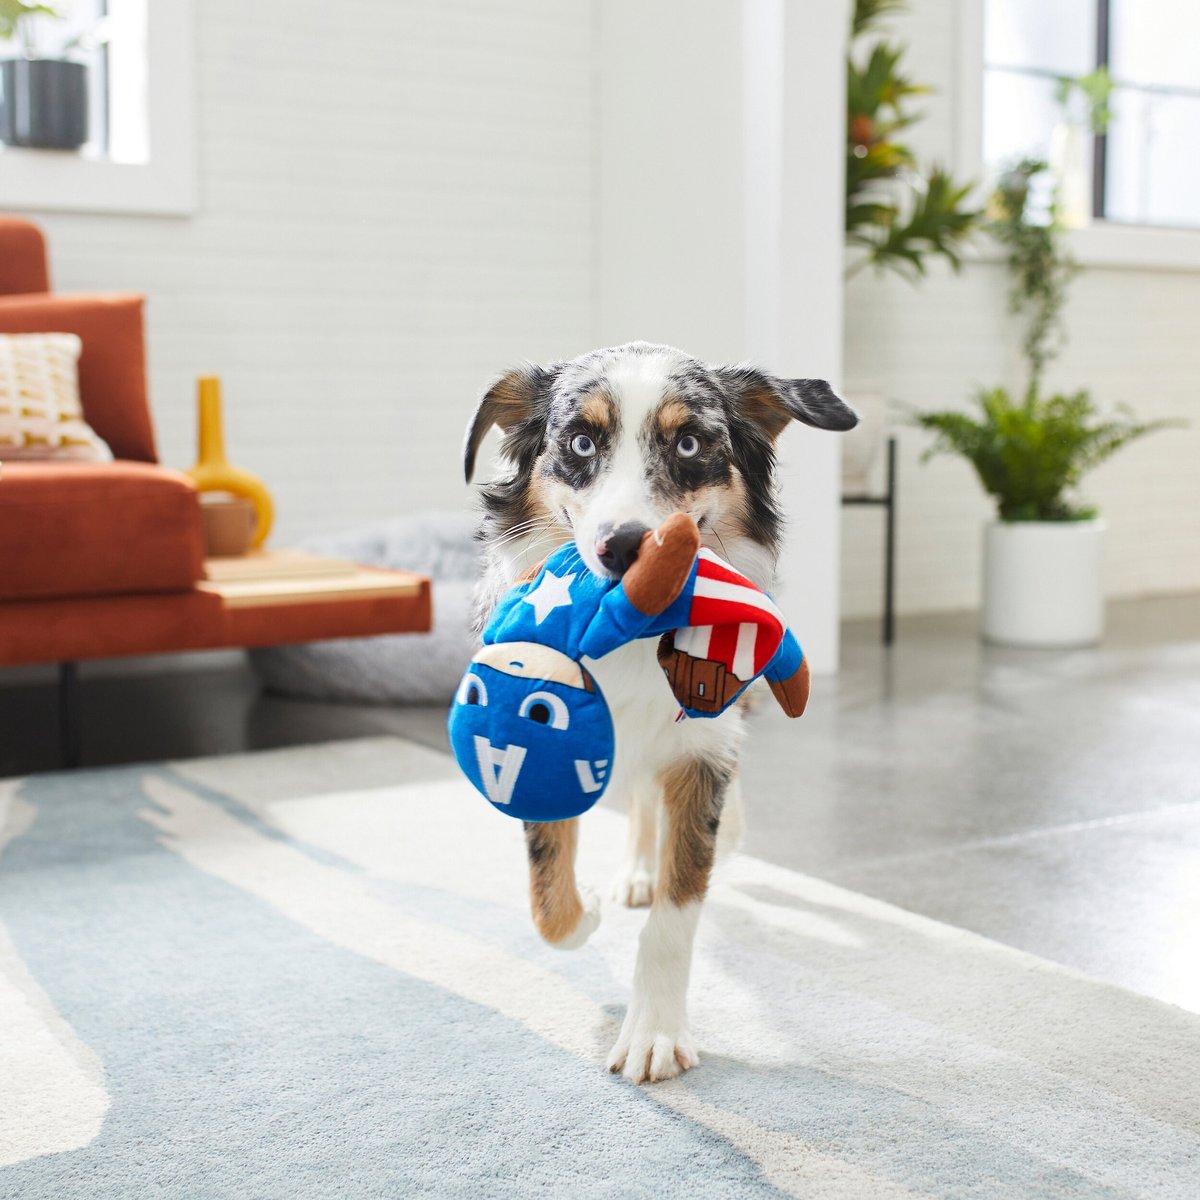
617,548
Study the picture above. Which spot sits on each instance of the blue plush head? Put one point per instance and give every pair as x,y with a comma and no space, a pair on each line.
530,729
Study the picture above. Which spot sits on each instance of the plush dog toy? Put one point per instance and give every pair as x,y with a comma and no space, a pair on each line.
529,725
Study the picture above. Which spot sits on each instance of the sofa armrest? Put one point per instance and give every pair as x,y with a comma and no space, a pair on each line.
96,529
112,367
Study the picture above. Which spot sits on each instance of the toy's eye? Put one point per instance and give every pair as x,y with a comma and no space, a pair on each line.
583,446
546,709
688,446
472,690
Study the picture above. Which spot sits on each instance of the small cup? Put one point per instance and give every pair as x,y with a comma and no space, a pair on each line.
228,525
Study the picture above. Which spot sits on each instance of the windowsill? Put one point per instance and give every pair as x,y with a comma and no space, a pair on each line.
63,181
1114,246
1136,247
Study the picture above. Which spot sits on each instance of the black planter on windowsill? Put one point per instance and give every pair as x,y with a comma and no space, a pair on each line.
43,103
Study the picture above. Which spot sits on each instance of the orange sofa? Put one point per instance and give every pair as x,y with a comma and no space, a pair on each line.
102,560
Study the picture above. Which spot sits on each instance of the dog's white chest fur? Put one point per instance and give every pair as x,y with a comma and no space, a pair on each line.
650,734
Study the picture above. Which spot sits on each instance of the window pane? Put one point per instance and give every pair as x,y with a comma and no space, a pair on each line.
1019,116
1155,41
1153,175
1053,35
129,88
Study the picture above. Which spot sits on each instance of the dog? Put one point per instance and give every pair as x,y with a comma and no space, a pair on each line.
600,449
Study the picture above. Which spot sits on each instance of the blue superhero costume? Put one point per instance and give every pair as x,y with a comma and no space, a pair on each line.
529,725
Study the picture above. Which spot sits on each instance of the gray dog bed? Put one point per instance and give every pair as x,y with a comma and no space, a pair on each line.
405,668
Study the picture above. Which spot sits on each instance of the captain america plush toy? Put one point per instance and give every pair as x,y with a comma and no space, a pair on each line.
529,725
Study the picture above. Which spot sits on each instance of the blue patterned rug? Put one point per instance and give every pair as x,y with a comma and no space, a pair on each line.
310,973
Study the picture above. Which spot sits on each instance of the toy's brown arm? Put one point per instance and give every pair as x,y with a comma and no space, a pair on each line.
663,565
792,693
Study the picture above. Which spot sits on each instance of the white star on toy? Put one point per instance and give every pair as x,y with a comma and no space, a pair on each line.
553,592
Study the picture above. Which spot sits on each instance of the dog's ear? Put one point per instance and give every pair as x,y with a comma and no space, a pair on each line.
771,402
513,399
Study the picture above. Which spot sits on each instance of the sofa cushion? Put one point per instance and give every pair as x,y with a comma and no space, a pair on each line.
96,529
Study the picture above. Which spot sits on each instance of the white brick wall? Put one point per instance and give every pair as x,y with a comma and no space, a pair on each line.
1132,339
396,200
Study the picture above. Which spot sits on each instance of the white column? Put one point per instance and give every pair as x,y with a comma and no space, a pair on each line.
669,252
804,246
719,222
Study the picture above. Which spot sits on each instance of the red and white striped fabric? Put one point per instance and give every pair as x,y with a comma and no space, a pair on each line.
730,621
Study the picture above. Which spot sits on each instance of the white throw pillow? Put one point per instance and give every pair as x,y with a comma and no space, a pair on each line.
40,413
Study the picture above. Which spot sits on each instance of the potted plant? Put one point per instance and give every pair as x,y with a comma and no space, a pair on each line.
898,212
43,100
1042,555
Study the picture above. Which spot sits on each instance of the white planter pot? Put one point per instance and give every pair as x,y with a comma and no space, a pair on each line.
1041,583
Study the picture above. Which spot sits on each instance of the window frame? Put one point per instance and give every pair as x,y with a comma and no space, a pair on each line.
1101,243
63,181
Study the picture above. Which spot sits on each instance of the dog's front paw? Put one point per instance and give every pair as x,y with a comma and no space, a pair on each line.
647,1053
589,922
634,886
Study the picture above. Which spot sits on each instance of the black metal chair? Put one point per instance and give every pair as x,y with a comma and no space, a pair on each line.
886,501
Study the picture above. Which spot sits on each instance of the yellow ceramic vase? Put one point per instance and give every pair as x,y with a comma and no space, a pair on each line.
214,474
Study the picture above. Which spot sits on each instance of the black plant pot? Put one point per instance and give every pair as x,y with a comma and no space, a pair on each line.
43,103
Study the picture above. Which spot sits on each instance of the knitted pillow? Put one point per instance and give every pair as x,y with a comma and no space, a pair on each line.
40,413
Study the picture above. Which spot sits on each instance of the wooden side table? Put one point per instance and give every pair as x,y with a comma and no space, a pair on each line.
266,598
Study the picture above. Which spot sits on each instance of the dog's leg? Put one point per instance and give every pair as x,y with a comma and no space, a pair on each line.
634,884
563,917
655,1041
733,819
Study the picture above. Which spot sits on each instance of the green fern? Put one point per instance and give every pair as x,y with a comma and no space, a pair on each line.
1031,454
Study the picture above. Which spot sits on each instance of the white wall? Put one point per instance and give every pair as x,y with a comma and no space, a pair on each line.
396,201
670,198
807,285
1132,338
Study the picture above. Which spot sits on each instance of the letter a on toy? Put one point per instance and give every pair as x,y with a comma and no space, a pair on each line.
498,769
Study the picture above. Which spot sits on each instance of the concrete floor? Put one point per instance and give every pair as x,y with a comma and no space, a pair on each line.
1049,800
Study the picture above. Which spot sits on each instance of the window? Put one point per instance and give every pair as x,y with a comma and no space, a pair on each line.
139,157
94,32
1145,169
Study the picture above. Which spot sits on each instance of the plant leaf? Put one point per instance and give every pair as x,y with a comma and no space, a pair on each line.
1030,453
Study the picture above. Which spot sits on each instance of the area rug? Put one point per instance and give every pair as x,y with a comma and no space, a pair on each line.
311,973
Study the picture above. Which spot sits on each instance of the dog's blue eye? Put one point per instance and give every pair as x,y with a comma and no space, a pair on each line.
688,446
583,446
